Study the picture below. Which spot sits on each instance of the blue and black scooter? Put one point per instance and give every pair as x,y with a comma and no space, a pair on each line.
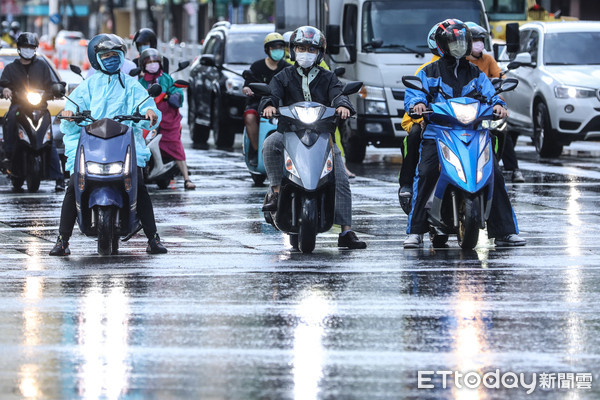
106,177
462,198
254,158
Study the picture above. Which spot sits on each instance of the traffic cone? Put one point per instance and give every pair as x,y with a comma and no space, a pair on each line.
86,65
55,61
64,64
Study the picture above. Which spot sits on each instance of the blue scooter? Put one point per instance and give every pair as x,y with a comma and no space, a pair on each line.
106,177
462,198
254,158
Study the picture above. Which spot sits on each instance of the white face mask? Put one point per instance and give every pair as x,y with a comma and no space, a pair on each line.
27,53
306,60
152,67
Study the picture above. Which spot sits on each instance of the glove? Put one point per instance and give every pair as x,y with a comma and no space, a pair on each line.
174,100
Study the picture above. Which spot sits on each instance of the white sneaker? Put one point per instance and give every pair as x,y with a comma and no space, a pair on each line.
413,241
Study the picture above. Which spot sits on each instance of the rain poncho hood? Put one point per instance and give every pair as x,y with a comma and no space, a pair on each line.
107,96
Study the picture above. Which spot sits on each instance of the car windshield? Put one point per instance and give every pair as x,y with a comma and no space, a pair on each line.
244,48
571,48
403,25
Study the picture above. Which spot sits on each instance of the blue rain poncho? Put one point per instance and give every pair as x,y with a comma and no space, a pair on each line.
107,96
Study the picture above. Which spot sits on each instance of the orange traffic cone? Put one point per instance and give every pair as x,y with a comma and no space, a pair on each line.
55,61
64,64
86,66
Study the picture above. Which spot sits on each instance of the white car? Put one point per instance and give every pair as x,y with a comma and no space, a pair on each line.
558,97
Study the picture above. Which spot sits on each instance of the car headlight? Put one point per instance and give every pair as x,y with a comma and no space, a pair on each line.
234,86
465,113
375,107
308,115
34,98
573,92
328,167
95,168
483,159
372,93
454,160
289,165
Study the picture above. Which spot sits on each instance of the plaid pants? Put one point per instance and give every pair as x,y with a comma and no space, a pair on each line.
274,164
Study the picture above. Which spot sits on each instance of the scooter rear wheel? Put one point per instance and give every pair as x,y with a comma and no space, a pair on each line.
106,224
307,233
258,179
468,223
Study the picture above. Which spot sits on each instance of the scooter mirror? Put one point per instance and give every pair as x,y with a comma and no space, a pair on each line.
509,84
182,65
208,60
76,69
154,90
351,88
58,90
261,89
180,83
135,72
339,71
246,74
413,82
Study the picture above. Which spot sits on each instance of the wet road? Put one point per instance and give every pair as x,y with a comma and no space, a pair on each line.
232,313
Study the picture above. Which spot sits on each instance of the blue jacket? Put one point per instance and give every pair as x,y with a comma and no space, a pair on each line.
107,96
445,76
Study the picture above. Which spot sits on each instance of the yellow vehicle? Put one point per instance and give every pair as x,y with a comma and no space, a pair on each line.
502,12
8,55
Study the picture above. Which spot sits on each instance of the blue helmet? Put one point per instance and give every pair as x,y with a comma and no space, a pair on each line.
103,43
431,40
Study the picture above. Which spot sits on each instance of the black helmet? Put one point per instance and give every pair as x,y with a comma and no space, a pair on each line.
15,26
477,32
145,35
309,36
27,39
150,55
453,39
102,43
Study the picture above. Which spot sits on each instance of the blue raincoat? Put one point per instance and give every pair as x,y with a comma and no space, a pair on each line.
105,96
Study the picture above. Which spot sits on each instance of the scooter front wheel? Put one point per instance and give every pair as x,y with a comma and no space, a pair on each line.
307,233
106,232
34,174
468,223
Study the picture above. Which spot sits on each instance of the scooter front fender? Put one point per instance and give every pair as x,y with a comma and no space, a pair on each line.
105,196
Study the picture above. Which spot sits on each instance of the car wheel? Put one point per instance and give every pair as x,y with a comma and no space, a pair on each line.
545,138
222,134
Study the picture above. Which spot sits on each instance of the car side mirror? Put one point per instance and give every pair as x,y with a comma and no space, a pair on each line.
261,89
332,33
512,37
521,60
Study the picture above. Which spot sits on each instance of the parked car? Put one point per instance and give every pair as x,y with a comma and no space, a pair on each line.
558,97
215,93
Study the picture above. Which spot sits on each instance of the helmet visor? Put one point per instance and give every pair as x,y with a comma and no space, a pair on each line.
458,47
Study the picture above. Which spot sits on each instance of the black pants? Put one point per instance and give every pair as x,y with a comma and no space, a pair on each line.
509,157
145,212
502,220
410,156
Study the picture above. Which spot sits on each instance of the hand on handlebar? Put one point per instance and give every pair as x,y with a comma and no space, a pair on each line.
500,112
343,112
7,93
269,112
419,108
67,114
247,91
151,115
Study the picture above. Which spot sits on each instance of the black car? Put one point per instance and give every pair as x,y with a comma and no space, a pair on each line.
215,93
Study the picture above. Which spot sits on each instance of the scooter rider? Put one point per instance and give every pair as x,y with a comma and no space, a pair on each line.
106,95
306,81
262,71
144,39
455,76
168,103
24,73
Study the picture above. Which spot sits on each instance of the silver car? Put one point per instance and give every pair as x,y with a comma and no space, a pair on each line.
558,99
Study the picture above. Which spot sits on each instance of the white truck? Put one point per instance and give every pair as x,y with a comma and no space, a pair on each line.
377,42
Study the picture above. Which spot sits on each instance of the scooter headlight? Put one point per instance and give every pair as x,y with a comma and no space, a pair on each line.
328,167
454,160
483,159
465,113
289,165
95,168
307,115
34,98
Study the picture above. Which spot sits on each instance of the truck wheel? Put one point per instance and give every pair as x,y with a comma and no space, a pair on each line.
223,135
307,233
106,224
468,223
34,174
545,138
355,147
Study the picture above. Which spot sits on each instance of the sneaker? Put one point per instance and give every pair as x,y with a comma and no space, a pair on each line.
61,248
350,240
517,176
270,203
510,240
60,185
413,241
155,246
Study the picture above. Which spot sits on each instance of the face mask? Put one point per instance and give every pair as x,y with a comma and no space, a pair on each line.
306,60
277,54
478,47
27,53
458,49
144,47
152,67
112,64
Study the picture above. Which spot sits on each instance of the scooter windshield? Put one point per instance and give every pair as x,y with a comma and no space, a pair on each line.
106,128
